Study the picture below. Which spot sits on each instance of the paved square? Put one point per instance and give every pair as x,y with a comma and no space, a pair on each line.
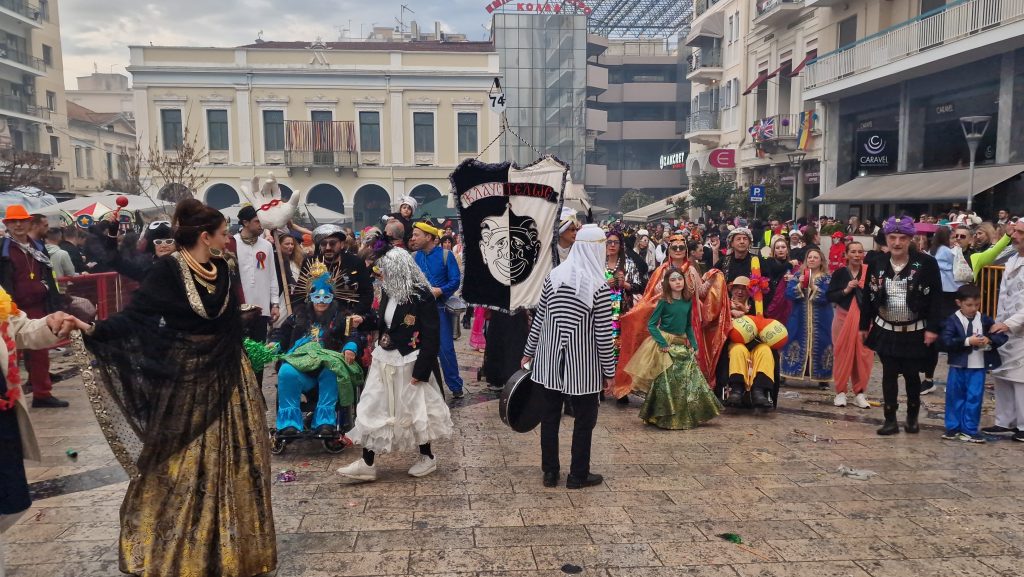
935,508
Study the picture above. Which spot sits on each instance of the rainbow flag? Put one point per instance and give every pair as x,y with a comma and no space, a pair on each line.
803,137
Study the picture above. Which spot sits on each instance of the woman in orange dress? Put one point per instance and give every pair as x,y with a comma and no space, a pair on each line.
710,319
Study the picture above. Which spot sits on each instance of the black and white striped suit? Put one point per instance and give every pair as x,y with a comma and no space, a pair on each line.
571,342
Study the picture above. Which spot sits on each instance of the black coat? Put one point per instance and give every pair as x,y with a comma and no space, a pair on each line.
416,325
332,325
924,296
354,276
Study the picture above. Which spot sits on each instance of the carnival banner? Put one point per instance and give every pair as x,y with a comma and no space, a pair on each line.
509,215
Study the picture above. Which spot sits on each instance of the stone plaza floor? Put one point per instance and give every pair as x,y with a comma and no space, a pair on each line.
935,508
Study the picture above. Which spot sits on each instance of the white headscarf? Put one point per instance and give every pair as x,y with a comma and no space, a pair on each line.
410,201
584,269
567,219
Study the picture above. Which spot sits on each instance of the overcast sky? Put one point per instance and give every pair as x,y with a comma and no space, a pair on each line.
97,33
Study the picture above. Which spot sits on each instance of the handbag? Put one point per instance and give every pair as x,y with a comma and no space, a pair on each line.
962,271
455,305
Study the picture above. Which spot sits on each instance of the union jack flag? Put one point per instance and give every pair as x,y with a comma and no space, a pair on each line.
767,128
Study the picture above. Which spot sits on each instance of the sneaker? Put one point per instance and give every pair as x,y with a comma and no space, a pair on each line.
978,439
928,387
458,394
50,402
358,470
840,400
423,466
997,430
1019,436
950,436
861,401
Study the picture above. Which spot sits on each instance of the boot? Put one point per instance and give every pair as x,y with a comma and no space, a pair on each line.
891,427
735,398
759,398
912,411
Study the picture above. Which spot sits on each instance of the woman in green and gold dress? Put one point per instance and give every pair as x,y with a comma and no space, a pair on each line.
184,415
665,365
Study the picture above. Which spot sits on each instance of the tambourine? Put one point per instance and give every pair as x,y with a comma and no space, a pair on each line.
521,402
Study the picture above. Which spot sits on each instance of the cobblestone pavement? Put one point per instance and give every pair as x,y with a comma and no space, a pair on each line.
935,508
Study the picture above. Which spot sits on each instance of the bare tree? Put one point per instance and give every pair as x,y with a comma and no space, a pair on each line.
21,168
129,180
178,171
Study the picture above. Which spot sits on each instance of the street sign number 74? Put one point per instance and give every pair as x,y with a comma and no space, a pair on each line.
497,102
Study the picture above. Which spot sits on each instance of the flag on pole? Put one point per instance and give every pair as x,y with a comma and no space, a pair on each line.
803,137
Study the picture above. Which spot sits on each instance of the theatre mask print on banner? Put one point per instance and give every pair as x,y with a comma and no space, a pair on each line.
509,216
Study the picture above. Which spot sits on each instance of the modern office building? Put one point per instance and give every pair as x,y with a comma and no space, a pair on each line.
32,114
353,125
901,83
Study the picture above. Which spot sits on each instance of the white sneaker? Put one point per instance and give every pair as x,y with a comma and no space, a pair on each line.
423,466
359,471
861,401
840,400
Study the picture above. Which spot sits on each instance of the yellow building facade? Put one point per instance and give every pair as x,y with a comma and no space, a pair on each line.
351,126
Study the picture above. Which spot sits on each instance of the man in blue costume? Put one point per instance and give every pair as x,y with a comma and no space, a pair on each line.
442,271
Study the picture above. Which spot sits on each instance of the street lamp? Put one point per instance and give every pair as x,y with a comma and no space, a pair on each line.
974,128
796,160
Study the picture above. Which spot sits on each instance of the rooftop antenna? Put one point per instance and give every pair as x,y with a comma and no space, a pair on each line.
401,21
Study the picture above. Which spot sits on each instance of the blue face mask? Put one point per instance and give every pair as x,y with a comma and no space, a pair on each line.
321,298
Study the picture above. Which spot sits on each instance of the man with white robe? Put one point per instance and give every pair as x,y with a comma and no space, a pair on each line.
1009,378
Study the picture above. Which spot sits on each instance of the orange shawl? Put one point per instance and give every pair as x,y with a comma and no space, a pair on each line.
710,322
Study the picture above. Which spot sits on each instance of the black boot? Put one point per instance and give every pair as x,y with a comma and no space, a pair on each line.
891,427
912,411
759,398
735,398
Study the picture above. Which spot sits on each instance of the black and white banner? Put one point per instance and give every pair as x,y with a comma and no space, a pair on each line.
509,216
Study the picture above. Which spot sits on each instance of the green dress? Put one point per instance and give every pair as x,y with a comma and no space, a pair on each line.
679,397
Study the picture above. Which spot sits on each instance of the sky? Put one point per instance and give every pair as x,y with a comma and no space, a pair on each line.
96,34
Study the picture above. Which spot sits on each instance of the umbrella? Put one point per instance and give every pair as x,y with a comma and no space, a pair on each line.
306,213
32,198
144,204
90,214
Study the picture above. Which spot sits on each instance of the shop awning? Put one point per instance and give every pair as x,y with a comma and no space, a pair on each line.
711,27
919,187
761,78
799,67
656,210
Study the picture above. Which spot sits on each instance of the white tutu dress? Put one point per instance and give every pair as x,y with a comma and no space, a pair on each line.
394,414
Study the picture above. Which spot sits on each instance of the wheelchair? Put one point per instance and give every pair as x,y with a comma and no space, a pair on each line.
722,386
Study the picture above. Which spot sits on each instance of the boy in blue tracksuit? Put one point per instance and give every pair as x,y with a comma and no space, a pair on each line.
971,345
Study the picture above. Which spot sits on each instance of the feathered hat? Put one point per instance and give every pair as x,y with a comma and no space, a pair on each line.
319,280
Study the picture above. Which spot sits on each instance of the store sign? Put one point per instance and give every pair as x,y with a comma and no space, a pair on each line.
877,149
675,161
723,158
539,7
812,177
948,108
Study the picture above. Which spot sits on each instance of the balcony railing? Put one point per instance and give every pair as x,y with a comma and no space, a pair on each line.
778,127
30,11
22,58
12,103
702,6
944,25
768,6
703,120
314,143
705,58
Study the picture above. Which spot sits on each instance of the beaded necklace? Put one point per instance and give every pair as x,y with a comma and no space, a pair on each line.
616,311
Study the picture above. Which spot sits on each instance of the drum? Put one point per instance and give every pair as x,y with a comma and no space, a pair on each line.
521,402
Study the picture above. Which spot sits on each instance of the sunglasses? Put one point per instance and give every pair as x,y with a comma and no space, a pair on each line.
163,242
612,242
960,236
677,247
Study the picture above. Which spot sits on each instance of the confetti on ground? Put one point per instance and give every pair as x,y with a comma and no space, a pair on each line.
815,438
286,476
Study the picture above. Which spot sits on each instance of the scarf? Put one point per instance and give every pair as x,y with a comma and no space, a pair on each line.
849,339
584,269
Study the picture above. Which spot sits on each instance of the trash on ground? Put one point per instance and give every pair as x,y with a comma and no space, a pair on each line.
855,474
790,395
71,453
571,569
286,476
814,438
731,537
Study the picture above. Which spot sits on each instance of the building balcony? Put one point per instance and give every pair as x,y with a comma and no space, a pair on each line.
777,12
597,120
704,127
18,107
702,6
320,144
597,80
596,175
649,130
23,62
704,65
941,39
649,92
22,12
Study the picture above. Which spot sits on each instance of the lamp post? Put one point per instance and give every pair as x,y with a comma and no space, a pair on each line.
974,129
796,160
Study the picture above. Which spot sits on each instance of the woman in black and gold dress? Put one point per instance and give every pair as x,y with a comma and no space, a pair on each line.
184,415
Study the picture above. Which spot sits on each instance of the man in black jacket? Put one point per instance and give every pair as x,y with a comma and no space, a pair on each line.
26,274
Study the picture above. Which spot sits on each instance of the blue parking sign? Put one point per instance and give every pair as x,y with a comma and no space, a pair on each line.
757,193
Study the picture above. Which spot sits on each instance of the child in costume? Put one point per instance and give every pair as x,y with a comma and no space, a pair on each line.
968,338
322,348
678,396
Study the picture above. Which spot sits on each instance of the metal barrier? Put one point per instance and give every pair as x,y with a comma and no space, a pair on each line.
988,281
109,291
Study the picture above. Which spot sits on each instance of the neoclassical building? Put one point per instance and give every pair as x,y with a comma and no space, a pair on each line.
354,126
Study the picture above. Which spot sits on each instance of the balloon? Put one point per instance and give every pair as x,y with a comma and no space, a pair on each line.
743,330
773,334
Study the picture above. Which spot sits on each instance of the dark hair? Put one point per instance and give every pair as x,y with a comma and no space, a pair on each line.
939,239
38,218
666,288
968,291
191,219
54,234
